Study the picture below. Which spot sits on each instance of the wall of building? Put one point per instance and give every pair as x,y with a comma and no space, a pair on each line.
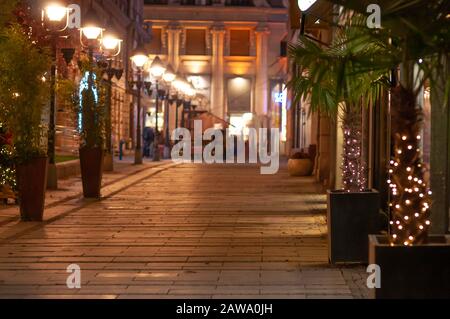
222,66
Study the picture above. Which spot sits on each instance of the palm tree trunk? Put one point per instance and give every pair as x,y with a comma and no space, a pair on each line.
410,192
353,167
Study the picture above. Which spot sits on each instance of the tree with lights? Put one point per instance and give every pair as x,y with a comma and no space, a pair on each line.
333,84
417,38
8,184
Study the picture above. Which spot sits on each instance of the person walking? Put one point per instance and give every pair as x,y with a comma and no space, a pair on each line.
149,139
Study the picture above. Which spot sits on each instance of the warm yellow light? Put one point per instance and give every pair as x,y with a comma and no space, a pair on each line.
110,42
247,117
55,12
169,77
92,33
157,71
157,68
139,60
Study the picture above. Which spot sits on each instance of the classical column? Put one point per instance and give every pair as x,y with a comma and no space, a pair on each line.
262,79
217,64
173,44
173,55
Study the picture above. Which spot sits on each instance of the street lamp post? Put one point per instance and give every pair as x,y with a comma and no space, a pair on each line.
53,16
157,69
112,47
169,76
139,59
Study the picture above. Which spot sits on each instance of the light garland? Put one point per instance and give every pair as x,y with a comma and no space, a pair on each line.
410,195
7,172
353,169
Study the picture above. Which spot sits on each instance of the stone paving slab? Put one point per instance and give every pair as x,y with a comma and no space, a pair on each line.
182,231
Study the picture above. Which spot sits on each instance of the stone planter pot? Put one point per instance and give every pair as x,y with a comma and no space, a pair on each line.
300,167
412,272
91,162
32,183
351,217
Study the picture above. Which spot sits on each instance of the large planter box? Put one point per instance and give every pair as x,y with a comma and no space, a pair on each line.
32,183
91,162
351,217
421,271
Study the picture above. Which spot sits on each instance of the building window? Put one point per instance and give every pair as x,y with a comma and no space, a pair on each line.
156,44
239,42
195,42
239,95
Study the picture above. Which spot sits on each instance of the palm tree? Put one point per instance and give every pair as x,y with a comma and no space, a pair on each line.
417,39
333,81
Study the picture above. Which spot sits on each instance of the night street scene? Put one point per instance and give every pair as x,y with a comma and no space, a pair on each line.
243,151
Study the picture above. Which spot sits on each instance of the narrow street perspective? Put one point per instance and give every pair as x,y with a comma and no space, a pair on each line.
202,150
191,231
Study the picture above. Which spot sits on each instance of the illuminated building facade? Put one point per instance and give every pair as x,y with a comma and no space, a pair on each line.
233,52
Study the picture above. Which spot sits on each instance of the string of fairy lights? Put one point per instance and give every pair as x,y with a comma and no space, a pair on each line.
353,169
7,171
410,194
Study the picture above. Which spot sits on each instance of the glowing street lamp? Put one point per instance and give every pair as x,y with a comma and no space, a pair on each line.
157,69
139,59
305,4
169,77
55,12
90,28
53,16
111,46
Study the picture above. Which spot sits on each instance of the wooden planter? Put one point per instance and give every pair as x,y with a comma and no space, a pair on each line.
300,167
91,162
32,183
351,217
421,271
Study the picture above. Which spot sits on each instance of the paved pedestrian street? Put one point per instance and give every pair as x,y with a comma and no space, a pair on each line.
185,231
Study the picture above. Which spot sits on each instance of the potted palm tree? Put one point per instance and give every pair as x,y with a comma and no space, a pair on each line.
23,95
413,263
333,87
